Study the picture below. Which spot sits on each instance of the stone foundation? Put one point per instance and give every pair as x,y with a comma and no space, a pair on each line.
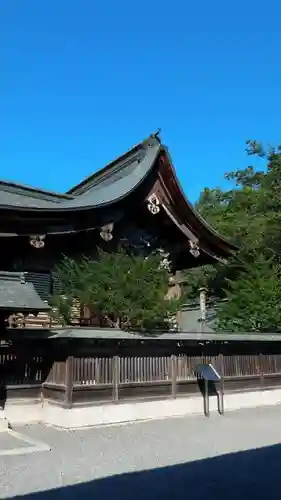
107,414
4,423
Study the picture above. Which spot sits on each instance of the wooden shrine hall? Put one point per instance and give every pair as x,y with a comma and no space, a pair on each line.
135,202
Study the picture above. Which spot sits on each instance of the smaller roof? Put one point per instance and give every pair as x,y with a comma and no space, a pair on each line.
116,334
16,295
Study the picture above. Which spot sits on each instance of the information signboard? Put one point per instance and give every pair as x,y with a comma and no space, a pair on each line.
210,375
208,372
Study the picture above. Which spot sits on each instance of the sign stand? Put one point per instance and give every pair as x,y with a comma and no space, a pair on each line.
210,376
206,398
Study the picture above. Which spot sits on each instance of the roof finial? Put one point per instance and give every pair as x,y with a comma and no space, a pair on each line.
156,134
152,139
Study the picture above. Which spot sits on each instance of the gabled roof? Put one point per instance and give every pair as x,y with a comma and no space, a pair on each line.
16,295
109,185
117,181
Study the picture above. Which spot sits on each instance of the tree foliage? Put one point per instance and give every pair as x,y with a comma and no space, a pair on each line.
126,290
254,300
249,215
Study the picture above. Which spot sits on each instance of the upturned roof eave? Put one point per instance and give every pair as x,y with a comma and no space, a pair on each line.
72,203
76,203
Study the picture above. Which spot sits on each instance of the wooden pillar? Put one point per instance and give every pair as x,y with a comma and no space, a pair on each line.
69,381
173,361
261,370
116,365
221,365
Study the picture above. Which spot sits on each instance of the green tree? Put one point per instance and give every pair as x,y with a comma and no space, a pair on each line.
254,300
249,215
126,290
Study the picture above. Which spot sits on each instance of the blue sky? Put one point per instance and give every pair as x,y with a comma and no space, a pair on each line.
83,81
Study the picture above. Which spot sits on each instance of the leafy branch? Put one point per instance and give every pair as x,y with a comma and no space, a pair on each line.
127,291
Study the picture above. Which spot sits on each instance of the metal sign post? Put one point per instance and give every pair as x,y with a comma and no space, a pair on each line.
206,398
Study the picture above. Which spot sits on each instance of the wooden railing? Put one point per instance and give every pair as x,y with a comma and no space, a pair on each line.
65,374
22,374
119,378
20,369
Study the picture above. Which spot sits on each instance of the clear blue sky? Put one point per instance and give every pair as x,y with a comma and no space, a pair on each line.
81,81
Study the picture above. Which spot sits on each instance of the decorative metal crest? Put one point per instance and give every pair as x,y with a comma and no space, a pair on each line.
173,324
194,249
153,204
106,232
165,262
37,240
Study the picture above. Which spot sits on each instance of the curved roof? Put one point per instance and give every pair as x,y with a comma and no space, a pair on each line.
109,185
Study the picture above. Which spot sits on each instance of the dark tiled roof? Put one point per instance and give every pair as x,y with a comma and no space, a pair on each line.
106,186
18,295
111,184
114,334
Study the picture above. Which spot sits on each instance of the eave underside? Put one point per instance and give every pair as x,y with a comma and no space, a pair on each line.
176,239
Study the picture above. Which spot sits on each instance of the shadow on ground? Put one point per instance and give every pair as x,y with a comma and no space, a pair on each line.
244,475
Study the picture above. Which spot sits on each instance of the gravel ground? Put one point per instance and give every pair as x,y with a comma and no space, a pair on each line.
175,458
9,442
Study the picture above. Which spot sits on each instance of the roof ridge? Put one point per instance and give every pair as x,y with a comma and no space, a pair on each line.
102,172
